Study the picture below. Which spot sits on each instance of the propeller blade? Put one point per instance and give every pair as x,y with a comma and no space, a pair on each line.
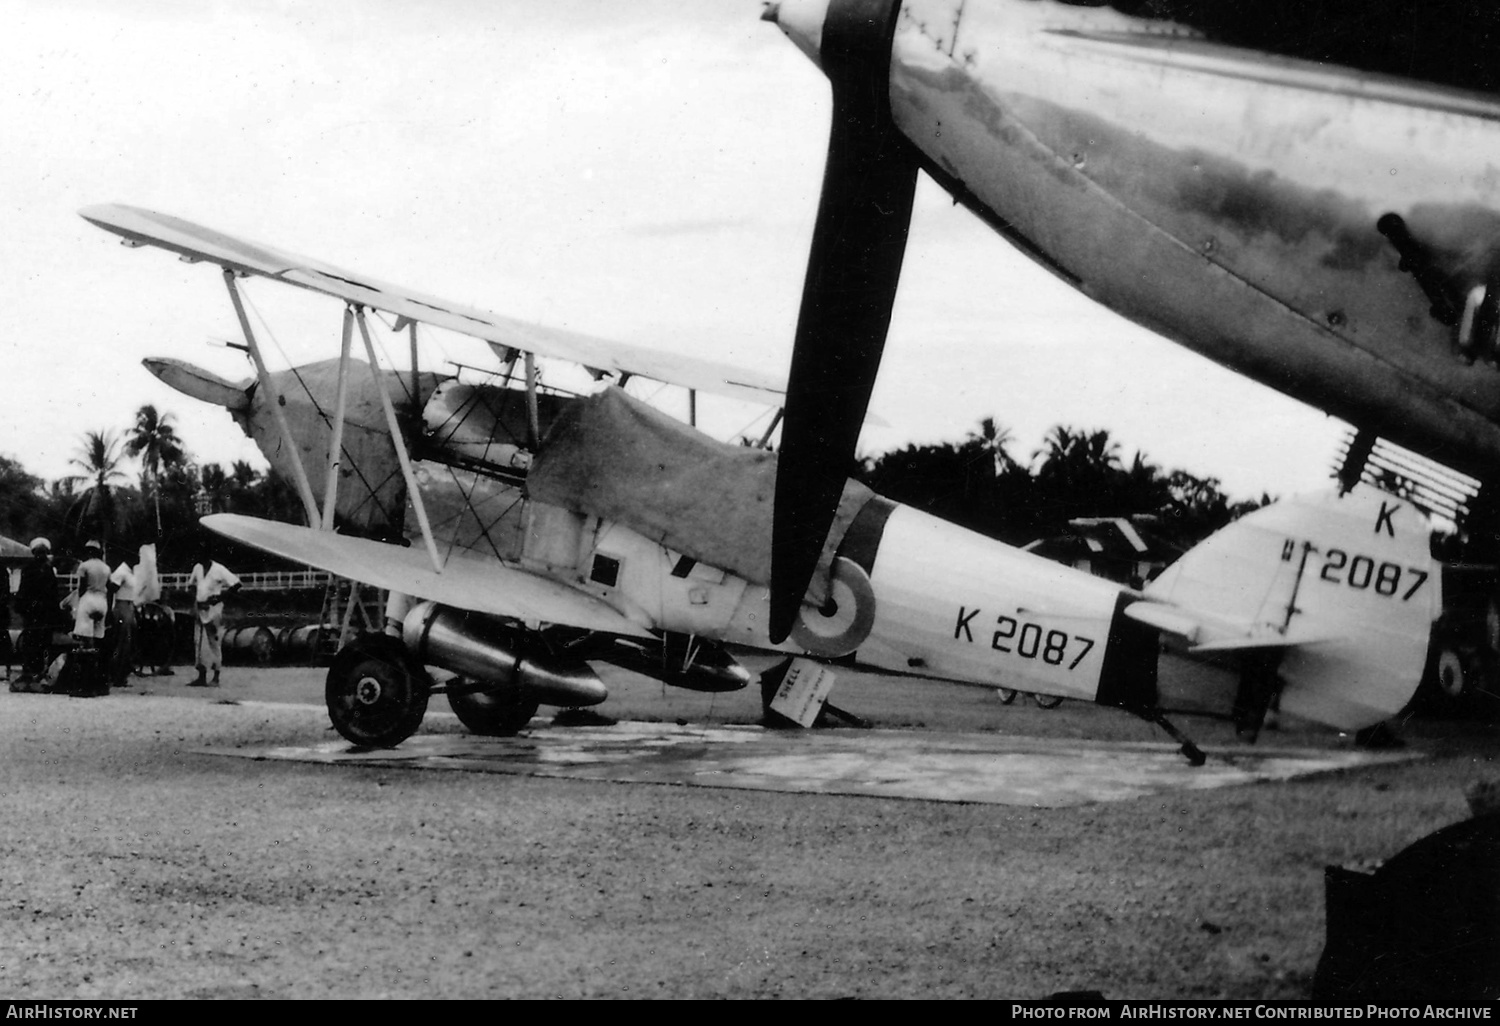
858,243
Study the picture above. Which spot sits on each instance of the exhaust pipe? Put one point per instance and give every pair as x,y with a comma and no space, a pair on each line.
481,647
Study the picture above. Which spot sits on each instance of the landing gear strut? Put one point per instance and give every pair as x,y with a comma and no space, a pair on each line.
376,693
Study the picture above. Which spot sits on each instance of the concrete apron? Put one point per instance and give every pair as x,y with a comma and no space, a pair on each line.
982,768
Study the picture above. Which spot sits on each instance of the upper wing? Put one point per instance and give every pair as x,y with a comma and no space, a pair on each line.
468,581
146,227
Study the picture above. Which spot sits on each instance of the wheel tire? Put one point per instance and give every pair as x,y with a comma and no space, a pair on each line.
1047,701
376,694
1450,677
1007,696
493,713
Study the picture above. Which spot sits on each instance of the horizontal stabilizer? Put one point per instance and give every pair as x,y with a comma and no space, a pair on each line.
1164,618
468,581
1180,624
1269,640
202,385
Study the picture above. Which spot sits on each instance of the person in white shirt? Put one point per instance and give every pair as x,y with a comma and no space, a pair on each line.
85,674
213,581
92,607
122,656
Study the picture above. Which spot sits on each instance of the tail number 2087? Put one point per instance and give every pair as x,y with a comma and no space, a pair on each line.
1362,572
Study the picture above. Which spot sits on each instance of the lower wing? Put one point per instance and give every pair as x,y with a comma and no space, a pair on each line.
467,581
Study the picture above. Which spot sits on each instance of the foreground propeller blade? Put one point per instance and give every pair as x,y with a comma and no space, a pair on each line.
858,243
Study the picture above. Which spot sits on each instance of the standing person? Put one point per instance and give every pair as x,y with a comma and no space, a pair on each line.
36,601
5,618
122,654
153,621
89,615
93,596
147,582
213,581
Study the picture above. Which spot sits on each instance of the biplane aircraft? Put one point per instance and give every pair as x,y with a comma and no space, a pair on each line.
1302,190
550,530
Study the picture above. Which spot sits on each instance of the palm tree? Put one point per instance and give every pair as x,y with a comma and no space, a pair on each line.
215,483
1144,487
1058,450
243,475
155,442
1079,455
1100,452
993,439
99,458
1080,474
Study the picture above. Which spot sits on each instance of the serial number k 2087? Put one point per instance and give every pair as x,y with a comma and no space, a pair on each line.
1025,639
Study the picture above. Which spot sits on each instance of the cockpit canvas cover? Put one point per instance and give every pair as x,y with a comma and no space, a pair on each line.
613,457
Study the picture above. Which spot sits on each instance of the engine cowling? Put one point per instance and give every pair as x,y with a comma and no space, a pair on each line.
484,648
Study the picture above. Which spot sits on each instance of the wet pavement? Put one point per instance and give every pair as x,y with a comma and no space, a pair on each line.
950,767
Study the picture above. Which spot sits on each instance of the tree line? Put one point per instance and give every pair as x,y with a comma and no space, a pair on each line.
162,505
977,483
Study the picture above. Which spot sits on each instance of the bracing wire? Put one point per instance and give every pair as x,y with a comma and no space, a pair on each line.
371,490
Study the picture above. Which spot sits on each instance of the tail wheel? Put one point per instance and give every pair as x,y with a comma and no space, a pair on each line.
1047,701
376,693
493,713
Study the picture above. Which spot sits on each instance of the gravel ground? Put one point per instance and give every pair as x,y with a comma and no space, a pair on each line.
131,868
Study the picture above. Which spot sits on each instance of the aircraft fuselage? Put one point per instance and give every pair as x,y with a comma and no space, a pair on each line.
1226,198
907,592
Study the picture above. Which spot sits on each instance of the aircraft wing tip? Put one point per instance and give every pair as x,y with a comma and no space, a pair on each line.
103,211
97,214
224,523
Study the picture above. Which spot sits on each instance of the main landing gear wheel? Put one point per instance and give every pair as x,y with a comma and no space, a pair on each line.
376,693
1047,701
491,713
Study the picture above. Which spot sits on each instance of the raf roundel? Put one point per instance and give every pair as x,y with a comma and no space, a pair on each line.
844,624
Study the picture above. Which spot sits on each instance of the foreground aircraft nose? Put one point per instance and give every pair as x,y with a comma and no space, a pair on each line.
199,383
802,21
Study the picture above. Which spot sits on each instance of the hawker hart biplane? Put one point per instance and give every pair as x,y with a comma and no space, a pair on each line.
551,530
1305,191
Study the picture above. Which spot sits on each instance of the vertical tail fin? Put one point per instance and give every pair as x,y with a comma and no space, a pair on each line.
1344,585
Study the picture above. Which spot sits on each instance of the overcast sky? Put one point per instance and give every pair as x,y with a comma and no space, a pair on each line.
646,171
